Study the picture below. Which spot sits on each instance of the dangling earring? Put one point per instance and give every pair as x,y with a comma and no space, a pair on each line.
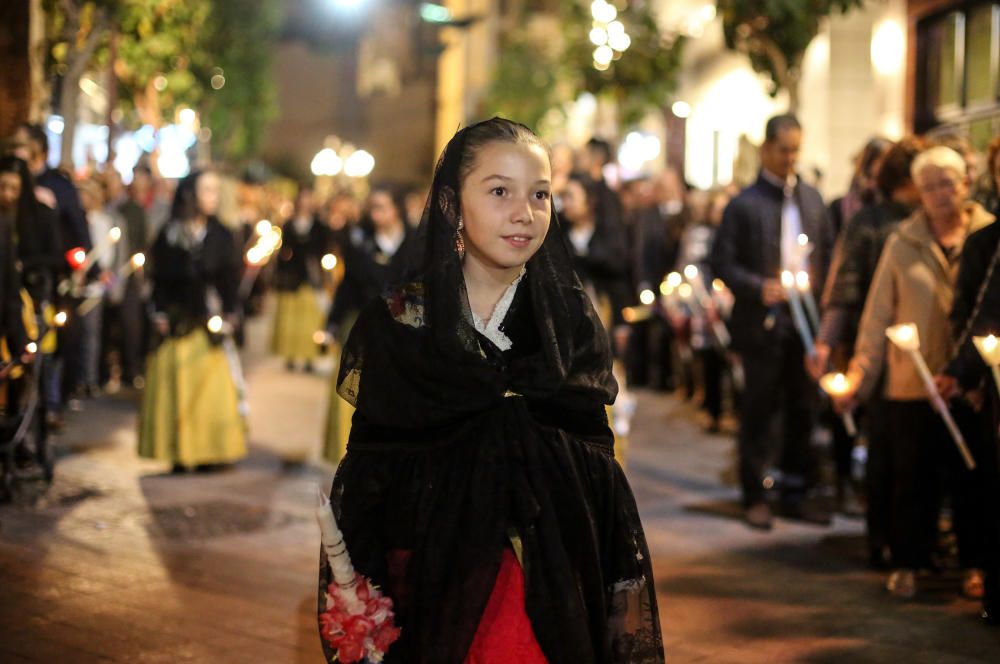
459,240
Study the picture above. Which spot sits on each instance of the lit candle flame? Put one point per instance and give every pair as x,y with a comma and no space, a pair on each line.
329,262
115,234
319,337
32,348
263,227
674,279
684,290
666,288
787,279
990,343
60,318
803,239
718,286
215,324
691,272
802,280
79,256
138,260
647,297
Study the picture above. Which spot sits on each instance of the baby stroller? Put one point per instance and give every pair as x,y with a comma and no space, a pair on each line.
24,446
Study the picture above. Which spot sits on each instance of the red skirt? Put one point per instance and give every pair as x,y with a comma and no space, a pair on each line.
504,633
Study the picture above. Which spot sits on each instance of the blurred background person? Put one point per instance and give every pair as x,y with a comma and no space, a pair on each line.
857,253
758,239
657,237
914,283
372,256
976,312
91,309
190,412
863,189
298,281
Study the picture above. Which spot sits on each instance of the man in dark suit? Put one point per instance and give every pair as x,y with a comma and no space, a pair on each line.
757,240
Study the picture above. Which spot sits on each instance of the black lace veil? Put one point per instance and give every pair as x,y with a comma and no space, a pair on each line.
457,452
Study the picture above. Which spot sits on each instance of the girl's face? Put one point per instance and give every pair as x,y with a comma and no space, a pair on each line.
207,192
506,204
10,190
576,207
382,210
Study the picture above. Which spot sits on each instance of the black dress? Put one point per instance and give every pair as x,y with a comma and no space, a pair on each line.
460,450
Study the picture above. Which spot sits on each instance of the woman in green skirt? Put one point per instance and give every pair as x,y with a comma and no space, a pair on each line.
372,257
298,281
191,412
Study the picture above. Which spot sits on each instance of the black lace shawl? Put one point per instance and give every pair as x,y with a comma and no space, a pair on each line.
458,450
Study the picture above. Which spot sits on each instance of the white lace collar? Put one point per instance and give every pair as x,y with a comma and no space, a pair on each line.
491,328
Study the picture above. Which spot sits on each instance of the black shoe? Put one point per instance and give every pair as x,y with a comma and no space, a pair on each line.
290,365
807,511
178,469
309,368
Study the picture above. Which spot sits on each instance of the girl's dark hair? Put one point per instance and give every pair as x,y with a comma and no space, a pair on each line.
895,169
495,130
185,204
26,203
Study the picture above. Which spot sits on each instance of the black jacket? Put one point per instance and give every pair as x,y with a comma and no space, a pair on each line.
978,277
659,239
853,268
367,271
604,265
73,228
11,320
39,249
183,274
299,259
747,250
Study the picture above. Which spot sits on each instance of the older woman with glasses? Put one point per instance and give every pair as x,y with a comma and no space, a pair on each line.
914,283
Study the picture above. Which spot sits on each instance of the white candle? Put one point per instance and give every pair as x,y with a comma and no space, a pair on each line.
989,348
335,548
907,338
836,384
802,283
798,315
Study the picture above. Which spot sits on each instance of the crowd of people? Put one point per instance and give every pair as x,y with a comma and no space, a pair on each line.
747,300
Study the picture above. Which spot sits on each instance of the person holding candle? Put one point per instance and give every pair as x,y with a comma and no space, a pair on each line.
855,257
976,312
298,280
480,490
914,283
190,414
373,253
779,224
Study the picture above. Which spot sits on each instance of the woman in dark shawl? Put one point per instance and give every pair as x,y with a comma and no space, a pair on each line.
480,488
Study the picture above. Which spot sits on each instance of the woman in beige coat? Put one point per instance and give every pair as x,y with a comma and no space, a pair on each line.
914,283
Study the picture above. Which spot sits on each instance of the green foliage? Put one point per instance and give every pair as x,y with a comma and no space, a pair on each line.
775,33
545,63
236,41
187,42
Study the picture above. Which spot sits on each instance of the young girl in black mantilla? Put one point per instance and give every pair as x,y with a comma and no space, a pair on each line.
480,488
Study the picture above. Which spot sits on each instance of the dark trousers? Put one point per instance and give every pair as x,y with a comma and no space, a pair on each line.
988,426
926,465
713,365
125,331
878,474
650,355
777,385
